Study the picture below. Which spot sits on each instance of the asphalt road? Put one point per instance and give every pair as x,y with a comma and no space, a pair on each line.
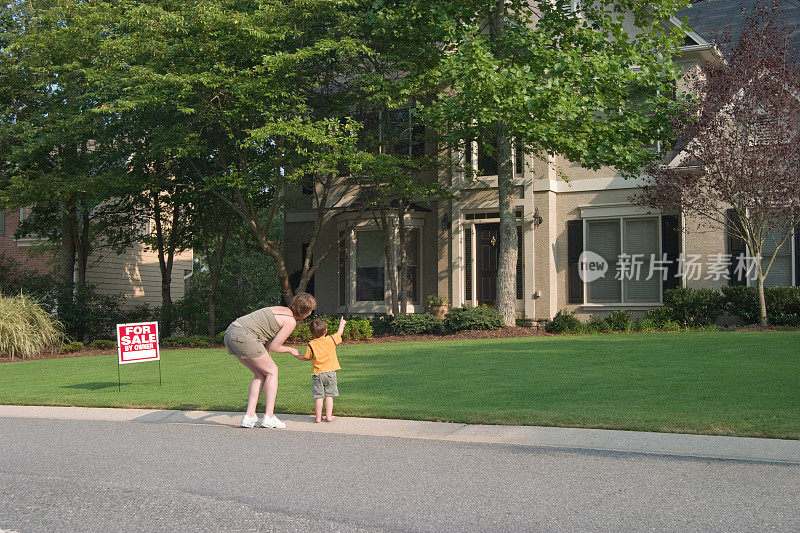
70,475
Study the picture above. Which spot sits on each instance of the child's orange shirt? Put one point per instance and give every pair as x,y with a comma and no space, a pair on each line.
322,352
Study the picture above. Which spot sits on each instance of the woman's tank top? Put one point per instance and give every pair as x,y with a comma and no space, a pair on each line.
260,323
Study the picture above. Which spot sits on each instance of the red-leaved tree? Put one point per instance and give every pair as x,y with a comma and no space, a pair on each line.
739,168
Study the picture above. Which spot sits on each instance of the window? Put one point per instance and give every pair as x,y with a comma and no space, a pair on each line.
603,238
486,164
487,160
405,134
780,273
641,241
2,222
27,214
519,162
370,267
634,240
785,269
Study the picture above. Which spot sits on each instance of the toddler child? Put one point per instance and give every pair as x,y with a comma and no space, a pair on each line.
322,352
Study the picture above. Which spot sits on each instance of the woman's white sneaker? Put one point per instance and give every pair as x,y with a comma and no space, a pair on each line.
272,422
248,421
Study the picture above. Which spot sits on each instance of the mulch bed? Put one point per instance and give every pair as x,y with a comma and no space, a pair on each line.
503,333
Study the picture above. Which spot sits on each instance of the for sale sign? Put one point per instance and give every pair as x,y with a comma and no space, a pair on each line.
137,342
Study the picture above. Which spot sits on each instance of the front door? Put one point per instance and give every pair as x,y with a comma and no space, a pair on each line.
488,248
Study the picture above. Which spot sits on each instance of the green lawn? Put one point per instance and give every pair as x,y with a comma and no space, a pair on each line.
744,383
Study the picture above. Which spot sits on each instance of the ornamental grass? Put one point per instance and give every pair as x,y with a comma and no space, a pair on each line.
25,328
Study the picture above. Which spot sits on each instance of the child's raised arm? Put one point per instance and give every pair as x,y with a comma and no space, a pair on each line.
341,326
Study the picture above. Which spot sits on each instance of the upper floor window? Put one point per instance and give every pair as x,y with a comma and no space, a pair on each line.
486,163
402,133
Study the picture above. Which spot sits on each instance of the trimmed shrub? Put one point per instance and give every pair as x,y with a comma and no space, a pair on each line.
200,341
620,320
102,344
472,318
646,324
659,316
382,324
412,323
301,333
597,325
742,302
72,347
564,322
175,341
783,304
25,328
695,307
357,328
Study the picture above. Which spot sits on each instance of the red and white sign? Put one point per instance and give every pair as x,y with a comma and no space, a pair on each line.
137,342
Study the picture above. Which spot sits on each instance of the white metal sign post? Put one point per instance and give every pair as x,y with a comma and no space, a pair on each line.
137,343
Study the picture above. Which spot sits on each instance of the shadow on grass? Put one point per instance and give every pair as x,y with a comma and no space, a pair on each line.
94,385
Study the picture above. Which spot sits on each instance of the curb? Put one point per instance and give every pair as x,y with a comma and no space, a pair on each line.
673,444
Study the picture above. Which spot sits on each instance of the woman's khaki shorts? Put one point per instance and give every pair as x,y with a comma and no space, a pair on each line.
324,385
242,344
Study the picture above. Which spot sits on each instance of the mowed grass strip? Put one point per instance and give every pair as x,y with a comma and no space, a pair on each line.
745,383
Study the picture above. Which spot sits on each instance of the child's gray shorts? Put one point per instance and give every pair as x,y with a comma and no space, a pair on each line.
323,385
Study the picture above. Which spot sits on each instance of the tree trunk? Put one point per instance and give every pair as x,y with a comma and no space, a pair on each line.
507,263
82,250
282,273
216,270
166,254
391,265
69,230
762,303
403,261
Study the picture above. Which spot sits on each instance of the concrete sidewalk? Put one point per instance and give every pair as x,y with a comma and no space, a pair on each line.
678,444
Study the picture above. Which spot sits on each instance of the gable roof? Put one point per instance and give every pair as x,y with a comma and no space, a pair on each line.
709,18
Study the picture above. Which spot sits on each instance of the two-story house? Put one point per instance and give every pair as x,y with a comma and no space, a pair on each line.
453,245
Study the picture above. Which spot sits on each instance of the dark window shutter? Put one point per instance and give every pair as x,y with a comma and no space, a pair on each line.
574,250
738,251
2,221
797,256
468,264
519,263
671,247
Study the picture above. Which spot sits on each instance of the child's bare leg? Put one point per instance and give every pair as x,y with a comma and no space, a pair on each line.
318,408
329,409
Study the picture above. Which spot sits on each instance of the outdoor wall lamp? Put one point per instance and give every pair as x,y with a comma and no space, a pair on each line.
537,218
445,222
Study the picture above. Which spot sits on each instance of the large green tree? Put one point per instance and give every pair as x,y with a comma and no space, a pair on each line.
240,76
58,152
551,78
